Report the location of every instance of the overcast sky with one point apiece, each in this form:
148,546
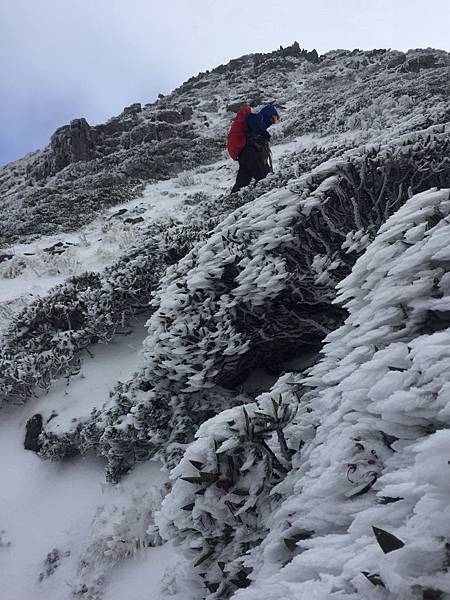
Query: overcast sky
63,59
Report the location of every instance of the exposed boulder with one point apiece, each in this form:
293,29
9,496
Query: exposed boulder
134,220
33,430
120,212
413,64
187,112
170,116
72,143
312,56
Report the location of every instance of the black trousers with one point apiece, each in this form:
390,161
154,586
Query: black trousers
251,166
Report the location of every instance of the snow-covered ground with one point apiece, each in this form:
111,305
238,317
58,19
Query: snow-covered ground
46,506
34,270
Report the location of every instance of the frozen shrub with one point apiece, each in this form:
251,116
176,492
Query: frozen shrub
221,496
262,284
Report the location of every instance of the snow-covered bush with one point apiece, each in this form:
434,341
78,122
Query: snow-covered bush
371,485
45,339
363,510
250,292
220,501
15,266
186,179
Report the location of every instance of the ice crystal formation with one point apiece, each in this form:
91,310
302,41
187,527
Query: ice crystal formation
324,482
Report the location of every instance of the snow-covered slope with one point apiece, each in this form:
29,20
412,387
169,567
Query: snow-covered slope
366,448
124,237
348,97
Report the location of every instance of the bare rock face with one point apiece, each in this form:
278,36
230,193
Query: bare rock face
418,62
72,143
186,113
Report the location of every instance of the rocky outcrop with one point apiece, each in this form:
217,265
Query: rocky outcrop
71,143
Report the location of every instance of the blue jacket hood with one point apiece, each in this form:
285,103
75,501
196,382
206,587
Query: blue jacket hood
267,113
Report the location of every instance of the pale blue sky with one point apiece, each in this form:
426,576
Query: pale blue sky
62,59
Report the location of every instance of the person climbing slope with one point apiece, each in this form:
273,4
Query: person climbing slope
248,143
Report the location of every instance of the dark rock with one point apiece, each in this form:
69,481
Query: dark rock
170,116
33,429
72,143
220,69
422,61
293,50
186,113
166,131
312,56
57,248
376,52
142,133
133,221
396,61
133,109
6,257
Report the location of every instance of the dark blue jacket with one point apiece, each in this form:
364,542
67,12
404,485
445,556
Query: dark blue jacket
259,122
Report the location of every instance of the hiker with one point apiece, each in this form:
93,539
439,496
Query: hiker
248,142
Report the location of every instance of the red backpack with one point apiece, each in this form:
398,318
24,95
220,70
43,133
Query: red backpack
237,136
